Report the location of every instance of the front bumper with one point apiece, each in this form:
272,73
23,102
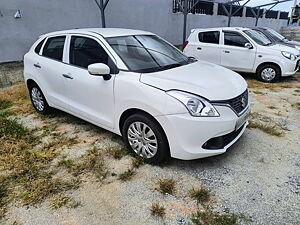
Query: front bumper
290,67
193,137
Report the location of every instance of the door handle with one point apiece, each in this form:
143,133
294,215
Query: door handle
227,51
67,76
199,48
37,65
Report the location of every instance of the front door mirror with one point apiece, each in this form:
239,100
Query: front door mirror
100,69
248,45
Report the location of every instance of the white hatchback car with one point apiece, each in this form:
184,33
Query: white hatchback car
137,85
243,50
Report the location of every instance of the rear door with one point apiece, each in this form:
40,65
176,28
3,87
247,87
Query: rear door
234,54
49,66
207,46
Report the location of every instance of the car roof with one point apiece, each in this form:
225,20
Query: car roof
222,28
105,32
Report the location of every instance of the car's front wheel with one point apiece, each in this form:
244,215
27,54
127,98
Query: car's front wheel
144,136
38,100
268,73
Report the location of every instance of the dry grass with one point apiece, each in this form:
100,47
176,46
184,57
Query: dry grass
212,218
17,97
296,105
127,175
157,210
117,152
267,125
287,83
201,195
63,200
166,186
92,162
136,162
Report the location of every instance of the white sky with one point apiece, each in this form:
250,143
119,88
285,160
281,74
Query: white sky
286,6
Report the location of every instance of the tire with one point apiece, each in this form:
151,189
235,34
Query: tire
152,147
38,100
268,73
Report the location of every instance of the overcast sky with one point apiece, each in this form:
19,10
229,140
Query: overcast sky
286,6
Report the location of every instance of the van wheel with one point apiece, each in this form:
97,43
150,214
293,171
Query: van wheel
144,136
38,100
268,73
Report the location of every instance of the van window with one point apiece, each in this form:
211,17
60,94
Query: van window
212,37
85,51
234,39
54,48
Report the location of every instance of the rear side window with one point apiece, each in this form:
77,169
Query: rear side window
54,48
39,46
212,37
85,51
234,39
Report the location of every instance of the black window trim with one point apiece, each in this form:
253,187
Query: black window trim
39,41
114,70
241,34
210,31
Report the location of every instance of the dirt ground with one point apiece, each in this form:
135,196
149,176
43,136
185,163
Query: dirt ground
256,182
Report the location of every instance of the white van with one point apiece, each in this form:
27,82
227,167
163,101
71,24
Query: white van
243,50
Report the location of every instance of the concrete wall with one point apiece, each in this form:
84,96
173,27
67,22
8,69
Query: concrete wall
42,16
292,33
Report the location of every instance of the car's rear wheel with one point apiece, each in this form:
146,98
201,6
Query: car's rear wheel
38,100
144,136
268,73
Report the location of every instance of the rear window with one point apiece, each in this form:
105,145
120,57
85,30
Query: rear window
212,37
39,46
54,48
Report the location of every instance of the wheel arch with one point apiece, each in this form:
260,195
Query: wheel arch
128,112
269,63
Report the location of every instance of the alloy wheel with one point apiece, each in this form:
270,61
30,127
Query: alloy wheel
37,99
142,140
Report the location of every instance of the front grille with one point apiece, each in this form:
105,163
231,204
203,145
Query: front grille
238,104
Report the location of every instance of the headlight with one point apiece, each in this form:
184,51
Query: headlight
297,47
196,105
289,55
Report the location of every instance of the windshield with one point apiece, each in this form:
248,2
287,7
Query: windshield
258,37
276,36
147,53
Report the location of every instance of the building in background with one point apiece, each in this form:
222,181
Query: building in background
21,22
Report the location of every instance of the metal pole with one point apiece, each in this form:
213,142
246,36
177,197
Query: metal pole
185,14
257,16
229,16
102,13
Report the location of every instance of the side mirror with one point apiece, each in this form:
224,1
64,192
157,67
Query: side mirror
248,45
100,69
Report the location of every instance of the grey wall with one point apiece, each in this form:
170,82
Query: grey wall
42,16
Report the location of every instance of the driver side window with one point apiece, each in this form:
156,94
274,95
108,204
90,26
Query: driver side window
86,51
234,39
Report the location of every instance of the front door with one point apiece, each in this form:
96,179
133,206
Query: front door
234,54
89,97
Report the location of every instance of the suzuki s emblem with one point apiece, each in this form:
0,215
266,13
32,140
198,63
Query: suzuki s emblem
243,101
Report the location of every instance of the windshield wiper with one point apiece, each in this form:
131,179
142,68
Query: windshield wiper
170,66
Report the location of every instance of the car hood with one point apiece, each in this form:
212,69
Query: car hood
285,48
295,43
201,78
